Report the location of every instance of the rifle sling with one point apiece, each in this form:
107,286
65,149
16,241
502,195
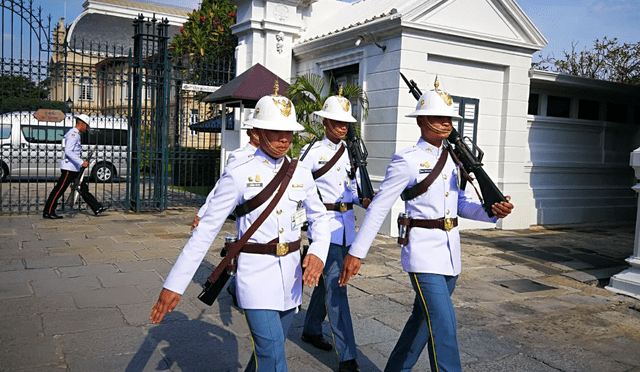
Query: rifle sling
234,248
465,174
263,195
320,172
421,187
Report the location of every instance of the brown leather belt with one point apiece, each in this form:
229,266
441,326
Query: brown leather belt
440,223
274,248
341,207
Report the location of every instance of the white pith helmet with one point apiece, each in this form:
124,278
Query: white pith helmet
435,103
82,117
274,112
337,108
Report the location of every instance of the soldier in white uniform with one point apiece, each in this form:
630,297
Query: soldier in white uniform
339,193
432,254
70,169
241,153
269,283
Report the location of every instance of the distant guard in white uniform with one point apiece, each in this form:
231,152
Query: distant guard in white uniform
70,167
269,274
431,255
331,168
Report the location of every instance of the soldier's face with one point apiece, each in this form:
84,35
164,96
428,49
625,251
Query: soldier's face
275,143
81,125
435,128
335,130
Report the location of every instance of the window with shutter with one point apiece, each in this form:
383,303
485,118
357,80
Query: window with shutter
468,125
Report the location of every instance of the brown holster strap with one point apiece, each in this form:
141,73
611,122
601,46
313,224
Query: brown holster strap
421,187
440,223
273,248
339,207
320,172
263,195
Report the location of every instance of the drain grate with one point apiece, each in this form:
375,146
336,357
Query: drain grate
522,285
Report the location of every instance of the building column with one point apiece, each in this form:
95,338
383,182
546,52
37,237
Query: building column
628,281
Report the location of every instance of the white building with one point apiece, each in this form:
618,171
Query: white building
481,50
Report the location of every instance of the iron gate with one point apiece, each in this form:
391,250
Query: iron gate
156,145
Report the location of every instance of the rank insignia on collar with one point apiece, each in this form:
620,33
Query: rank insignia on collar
323,158
425,164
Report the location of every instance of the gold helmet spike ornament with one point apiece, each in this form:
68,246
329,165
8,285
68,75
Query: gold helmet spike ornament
340,91
276,88
444,95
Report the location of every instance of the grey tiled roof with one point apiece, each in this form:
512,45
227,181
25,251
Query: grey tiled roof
95,32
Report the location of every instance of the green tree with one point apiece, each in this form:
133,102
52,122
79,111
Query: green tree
306,95
608,60
19,93
207,34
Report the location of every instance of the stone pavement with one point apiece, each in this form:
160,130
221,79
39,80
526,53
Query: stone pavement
76,295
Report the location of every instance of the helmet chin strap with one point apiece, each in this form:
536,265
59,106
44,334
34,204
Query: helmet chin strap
335,133
263,139
437,130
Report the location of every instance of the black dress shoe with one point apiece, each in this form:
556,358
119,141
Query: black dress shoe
51,216
348,366
317,341
100,210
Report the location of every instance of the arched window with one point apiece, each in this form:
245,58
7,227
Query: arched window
86,89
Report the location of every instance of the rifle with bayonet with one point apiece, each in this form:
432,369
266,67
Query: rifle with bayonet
470,162
358,154
76,184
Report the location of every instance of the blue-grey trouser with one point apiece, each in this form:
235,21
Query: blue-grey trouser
330,299
432,323
269,330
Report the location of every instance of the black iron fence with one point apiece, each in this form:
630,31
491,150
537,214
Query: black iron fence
154,145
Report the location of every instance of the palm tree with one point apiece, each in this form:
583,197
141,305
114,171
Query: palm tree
306,95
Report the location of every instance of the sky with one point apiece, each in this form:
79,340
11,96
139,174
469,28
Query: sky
560,21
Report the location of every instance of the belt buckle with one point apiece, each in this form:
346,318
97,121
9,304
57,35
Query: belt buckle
343,207
448,224
282,249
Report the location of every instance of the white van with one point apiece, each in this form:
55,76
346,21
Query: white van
33,148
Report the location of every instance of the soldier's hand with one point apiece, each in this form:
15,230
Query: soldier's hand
195,223
166,303
350,268
365,203
85,163
312,269
502,209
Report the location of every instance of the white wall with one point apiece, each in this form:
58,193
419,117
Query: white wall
579,169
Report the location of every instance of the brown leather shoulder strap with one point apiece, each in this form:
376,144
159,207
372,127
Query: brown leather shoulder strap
420,188
320,172
234,248
263,195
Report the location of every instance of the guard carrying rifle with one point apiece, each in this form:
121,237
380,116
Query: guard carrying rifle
70,169
331,168
269,274
425,176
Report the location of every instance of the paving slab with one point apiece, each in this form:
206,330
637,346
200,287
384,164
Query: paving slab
94,316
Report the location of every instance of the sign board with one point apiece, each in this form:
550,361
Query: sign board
199,88
49,115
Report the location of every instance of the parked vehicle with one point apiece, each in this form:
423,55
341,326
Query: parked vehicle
34,148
